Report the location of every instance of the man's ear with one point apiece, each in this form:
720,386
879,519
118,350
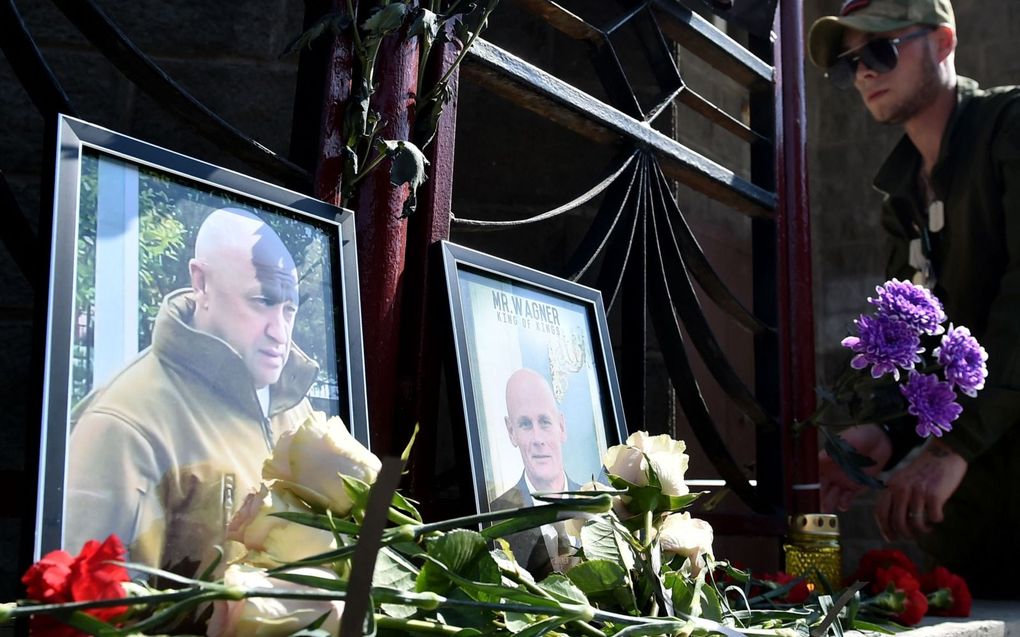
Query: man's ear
945,41
198,278
509,430
563,427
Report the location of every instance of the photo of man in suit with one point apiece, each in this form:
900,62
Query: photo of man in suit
537,428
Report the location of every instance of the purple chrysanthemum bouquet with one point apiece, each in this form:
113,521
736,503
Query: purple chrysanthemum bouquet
890,341
906,366
901,366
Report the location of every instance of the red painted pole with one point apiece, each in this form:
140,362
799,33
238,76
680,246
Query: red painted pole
796,336
381,232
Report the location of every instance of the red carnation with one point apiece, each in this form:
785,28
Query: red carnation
899,577
897,581
876,559
959,599
90,576
796,595
915,605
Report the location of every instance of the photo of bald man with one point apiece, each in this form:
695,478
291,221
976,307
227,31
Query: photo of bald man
537,428
164,451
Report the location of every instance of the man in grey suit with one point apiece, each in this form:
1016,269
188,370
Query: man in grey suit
537,428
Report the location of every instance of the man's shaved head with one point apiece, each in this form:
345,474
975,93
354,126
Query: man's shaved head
246,289
537,428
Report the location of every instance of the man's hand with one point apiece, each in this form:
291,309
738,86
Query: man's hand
914,496
838,489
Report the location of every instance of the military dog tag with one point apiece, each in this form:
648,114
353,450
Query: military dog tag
936,216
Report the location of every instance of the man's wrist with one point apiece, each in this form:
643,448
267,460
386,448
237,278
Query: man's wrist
939,449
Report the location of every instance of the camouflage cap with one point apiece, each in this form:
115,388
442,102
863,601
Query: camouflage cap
872,16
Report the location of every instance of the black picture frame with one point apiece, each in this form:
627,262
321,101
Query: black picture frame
152,196
505,317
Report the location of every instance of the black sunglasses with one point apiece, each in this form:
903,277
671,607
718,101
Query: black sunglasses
879,54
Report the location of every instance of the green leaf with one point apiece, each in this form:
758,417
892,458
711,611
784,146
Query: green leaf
563,589
425,24
661,627
598,576
462,552
601,540
604,582
407,166
492,589
406,455
313,581
406,505
393,571
318,521
356,117
357,490
385,20
334,22
860,624
850,460
428,112
546,625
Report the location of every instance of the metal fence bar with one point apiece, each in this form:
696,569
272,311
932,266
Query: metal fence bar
553,98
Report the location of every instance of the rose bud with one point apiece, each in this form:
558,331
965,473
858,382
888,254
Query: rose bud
309,461
664,455
680,534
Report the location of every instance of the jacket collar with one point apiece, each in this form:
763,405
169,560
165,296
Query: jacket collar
219,365
897,174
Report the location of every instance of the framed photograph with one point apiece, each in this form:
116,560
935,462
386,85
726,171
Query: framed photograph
194,315
538,384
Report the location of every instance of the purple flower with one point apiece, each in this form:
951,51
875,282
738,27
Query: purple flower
884,343
912,304
933,402
963,359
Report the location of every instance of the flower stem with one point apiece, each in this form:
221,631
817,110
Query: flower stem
415,625
594,504
158,598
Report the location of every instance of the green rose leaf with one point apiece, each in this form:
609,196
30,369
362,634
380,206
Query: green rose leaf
604,581
393,571
406,505
642,498
601,540
598,576
358,492
563,589
464,553
516,622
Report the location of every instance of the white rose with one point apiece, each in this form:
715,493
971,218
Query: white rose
680,534
664,455
270,616
307,462
271,541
